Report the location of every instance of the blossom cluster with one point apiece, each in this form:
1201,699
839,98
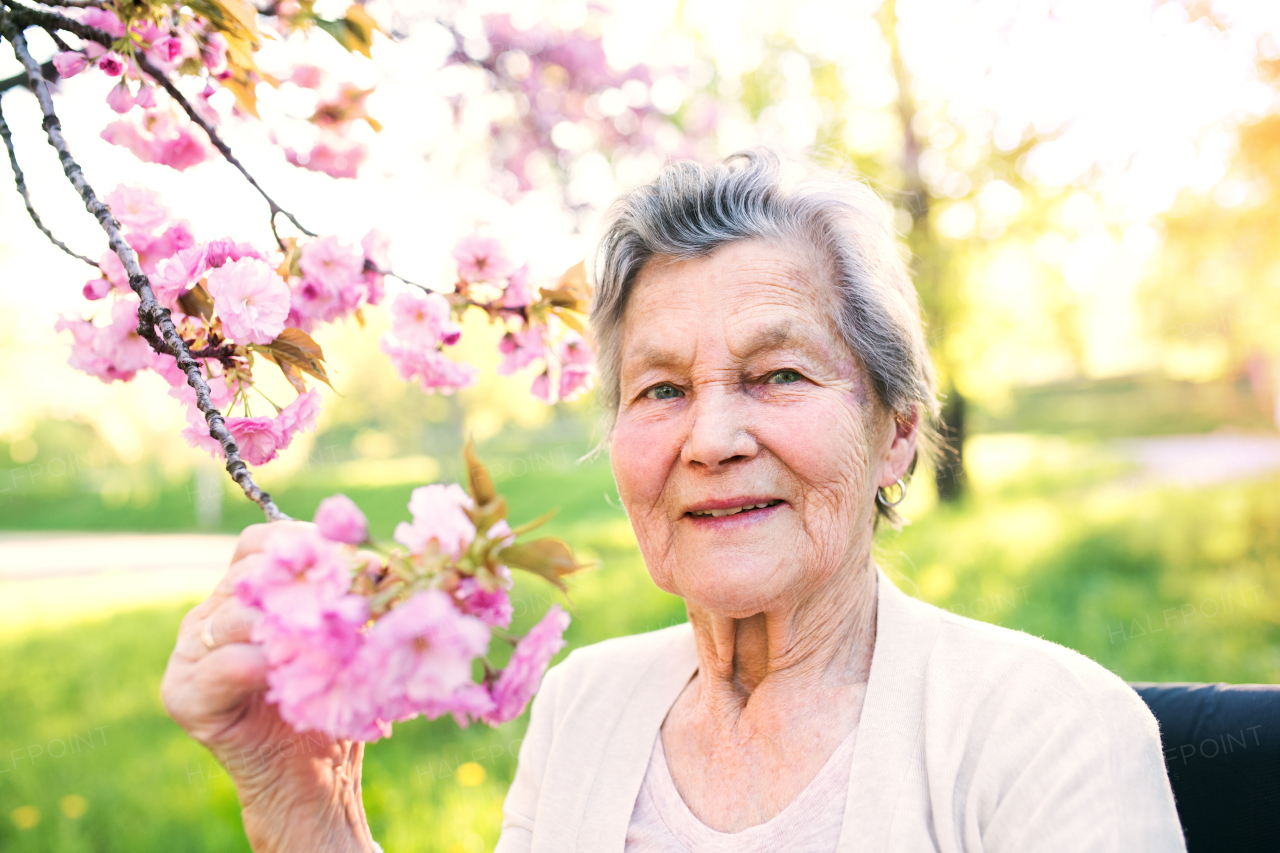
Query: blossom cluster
216,55
182,43
339,105
567,92
357,640
228,300
539,328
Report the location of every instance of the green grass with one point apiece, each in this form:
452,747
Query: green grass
1155,584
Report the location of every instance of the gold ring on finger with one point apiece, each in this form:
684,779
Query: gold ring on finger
206,634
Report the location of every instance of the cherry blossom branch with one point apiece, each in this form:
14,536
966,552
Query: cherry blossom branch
74,4
47,69
25,14
163,79
150,313
21,183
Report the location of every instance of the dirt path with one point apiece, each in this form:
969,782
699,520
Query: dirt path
51,579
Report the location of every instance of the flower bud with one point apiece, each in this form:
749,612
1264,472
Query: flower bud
120,98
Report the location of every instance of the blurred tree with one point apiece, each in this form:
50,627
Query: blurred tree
1212,297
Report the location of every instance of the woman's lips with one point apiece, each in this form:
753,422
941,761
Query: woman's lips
732,513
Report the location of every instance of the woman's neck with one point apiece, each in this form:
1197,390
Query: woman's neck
791,661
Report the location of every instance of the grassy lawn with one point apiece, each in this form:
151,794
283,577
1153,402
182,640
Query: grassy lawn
1156,584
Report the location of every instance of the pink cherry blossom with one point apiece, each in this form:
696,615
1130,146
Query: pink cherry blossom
154,248
298,416
331,262
339,519
428,367
521,348
70,63
377,247
576,365
103,19
137,207
419,655
214,53
112,64
111,267
251,299
120,98
146,97
375,287
314,679
97,288
316,301
519,292
111,352
257,438
168,50
493,607
574,380
480,258
158,136
308,76
438,516
333,155
423,319
541,388
573,349
300,576
520,678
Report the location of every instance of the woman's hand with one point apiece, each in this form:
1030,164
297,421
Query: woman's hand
297,791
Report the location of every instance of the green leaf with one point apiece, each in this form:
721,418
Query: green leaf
550,558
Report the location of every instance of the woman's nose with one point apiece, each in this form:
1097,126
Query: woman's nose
718,432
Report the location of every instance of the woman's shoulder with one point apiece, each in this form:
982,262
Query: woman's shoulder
994,665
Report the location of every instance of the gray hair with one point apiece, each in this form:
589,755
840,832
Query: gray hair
691,210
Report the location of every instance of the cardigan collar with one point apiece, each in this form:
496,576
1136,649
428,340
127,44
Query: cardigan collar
888,730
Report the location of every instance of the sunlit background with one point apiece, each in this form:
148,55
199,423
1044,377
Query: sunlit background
1091,195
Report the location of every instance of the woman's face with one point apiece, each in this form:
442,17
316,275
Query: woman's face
738,391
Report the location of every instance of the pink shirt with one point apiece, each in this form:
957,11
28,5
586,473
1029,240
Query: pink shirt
662,823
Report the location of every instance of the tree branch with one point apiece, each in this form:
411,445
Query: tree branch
26,15
163,79
150,313
49,72
74,4
21,182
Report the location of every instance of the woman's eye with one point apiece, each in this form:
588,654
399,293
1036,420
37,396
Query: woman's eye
783,377
663,392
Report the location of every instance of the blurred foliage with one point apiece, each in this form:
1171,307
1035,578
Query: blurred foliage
1213,298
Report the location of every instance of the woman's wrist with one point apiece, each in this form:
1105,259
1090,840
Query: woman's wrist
336,825
318,808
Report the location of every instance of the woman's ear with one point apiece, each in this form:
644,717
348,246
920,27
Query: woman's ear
902,449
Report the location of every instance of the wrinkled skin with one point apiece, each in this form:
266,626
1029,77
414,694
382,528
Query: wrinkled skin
298,792
738,389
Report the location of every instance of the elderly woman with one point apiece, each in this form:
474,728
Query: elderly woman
767,384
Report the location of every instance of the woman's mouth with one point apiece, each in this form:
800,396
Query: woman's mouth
732,512
721,513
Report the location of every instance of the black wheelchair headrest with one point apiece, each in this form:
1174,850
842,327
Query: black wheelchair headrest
1222,749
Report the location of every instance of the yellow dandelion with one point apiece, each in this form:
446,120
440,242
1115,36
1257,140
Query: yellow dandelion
73,805
470,774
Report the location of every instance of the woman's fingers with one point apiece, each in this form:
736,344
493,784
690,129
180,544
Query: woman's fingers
222,622
207,695
254,537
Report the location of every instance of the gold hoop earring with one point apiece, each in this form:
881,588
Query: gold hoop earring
885,502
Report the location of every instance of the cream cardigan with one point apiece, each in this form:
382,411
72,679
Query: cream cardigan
972,738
